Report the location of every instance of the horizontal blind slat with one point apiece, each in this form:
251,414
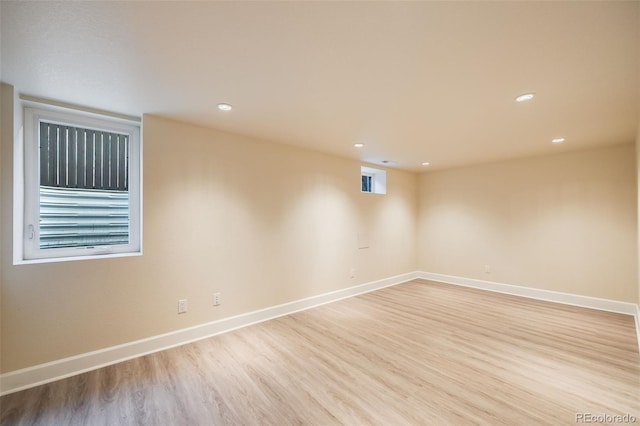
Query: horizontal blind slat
81,217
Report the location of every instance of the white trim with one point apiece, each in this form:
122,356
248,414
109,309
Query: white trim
98,255
378,180
546,295
25,378
18,190
44,373
536,293
64,106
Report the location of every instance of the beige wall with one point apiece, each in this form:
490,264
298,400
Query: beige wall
266,224
564,222
262,223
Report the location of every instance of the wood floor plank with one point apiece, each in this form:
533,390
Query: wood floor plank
417,353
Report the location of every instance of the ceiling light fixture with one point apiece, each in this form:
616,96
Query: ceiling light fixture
225,107
426,163
525,97
558,140
358,145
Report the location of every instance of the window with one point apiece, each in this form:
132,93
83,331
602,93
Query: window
367,183
82,185
373,180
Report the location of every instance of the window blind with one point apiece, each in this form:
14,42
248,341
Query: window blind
82,217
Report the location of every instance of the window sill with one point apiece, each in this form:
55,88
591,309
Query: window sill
73,258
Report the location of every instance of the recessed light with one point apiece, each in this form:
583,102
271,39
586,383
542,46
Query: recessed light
558,140
426,163
358,145
525,97
224,107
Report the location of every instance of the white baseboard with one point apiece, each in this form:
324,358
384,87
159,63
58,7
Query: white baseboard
536,293
547,295
45,373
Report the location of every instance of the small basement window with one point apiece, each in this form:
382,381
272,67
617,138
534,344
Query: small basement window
82,189
373,180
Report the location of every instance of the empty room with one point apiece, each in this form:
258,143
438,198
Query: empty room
319,213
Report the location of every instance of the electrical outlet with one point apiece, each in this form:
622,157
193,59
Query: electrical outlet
182,306
487,269
352,273
216,299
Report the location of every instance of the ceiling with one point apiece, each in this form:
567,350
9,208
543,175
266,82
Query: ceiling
412,81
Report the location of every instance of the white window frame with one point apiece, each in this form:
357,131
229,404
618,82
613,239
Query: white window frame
378,180
28,241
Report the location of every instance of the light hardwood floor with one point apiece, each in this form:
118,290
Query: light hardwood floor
418,353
